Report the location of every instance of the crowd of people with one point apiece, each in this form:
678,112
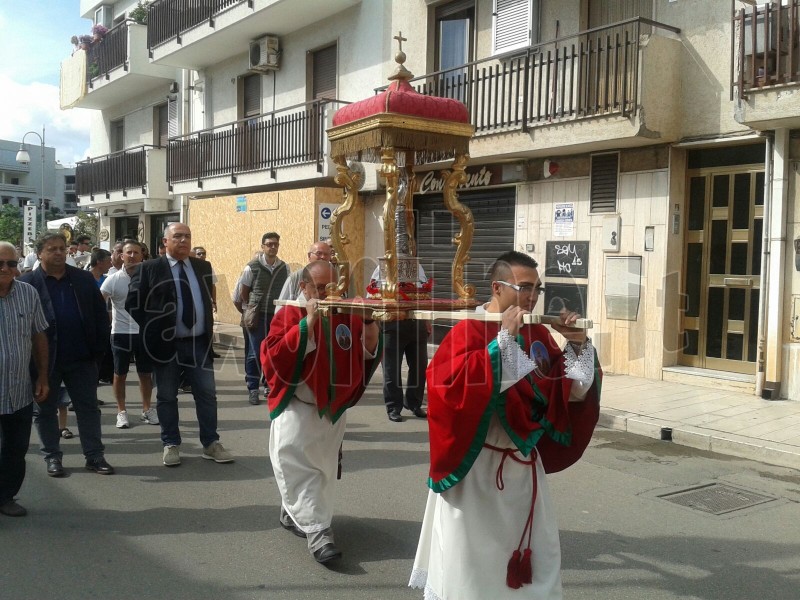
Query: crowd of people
506,404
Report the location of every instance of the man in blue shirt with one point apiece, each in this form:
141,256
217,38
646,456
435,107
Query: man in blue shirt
77,337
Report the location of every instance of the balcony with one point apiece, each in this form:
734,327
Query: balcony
194,34
765,65
607,87
133,175
16,189
117,69
287,145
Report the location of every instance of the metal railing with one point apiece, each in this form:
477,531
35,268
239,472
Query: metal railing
285,137
108,54
168,19
120,171
764,46
592,73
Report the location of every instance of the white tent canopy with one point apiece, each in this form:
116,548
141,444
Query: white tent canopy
71,221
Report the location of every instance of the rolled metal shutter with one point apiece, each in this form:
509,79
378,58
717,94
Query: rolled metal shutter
493,211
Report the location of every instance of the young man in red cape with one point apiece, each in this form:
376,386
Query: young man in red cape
317,367
505,406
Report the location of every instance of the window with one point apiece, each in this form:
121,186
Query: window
165,123
116,136
102,15
322,64
516,24
249,96
603,184
455,34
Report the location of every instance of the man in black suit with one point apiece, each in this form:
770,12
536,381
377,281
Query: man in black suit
170,298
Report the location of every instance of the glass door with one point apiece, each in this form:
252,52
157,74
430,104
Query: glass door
722,268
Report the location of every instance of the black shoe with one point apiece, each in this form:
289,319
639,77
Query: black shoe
215,355
12,509
327,553
100,402
419,412
54,467
294,529
100,466
395,417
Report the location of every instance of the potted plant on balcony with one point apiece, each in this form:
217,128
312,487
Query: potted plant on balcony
82,42
93,69
139,14
98,33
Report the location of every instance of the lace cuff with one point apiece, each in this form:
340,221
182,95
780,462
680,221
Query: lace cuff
516,363
579,368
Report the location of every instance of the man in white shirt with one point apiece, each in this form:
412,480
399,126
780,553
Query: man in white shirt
125,340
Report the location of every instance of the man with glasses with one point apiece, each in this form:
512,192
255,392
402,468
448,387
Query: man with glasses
22,337
291,289
506,406
170,299
261,282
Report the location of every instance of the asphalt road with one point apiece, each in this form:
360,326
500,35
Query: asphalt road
204,530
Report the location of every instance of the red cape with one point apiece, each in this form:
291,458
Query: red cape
464,392
336,370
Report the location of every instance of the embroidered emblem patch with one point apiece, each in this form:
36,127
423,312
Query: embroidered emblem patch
343,337
541,357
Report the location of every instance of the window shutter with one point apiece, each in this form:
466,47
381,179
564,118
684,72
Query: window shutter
324,73
512,24
604,178
251,105
172,118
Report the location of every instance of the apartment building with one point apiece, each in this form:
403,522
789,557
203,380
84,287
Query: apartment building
643,151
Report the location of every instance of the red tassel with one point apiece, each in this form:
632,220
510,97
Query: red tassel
525,568
512,572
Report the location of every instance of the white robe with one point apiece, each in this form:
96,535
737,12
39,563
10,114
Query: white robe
485,525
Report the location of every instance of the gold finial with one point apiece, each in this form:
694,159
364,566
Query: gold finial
400,72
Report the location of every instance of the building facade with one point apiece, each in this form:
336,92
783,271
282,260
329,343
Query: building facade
643,151
22,183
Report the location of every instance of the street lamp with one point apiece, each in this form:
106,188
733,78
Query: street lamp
24,158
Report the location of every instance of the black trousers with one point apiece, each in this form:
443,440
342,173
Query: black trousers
404,339
15,435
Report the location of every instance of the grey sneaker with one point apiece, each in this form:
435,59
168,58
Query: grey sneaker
253,399
171,456
217,453
150,416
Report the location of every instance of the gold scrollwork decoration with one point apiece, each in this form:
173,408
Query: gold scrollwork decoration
463,239
350,181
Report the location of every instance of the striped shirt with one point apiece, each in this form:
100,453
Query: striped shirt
21,317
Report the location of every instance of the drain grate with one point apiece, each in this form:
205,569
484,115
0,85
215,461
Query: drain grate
717,498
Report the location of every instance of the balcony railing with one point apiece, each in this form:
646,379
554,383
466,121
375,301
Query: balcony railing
764,44
286,137
168,19
109,54
593,73
115,172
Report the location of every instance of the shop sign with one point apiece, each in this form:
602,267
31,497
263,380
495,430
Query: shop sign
477,177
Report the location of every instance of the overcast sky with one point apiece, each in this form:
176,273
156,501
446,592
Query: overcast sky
34,39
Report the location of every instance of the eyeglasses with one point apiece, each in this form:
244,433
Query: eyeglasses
527,288
11,264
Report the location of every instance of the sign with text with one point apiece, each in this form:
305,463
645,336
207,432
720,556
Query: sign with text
324,213
29,229
241,203
564,219
433,182
567,259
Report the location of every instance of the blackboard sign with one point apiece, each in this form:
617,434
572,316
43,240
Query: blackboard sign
571,296
567,259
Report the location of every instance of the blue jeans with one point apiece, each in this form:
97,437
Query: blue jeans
192,359
251,371
15,435
80,379
256,337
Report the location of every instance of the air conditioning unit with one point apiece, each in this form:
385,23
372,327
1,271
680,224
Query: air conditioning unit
264,53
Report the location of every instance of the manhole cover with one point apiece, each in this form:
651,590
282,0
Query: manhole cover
717,498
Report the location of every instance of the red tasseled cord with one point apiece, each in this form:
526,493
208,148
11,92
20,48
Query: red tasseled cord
525,568
512,572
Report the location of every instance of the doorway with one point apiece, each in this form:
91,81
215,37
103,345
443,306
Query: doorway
722,267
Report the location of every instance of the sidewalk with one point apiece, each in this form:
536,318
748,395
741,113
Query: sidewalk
718,420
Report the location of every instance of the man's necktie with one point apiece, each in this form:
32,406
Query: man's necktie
187,314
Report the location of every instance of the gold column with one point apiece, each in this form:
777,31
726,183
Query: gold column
463,239
389,171
350,181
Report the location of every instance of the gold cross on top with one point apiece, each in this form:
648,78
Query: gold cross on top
400,39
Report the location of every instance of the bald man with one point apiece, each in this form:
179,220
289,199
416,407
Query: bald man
291,289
